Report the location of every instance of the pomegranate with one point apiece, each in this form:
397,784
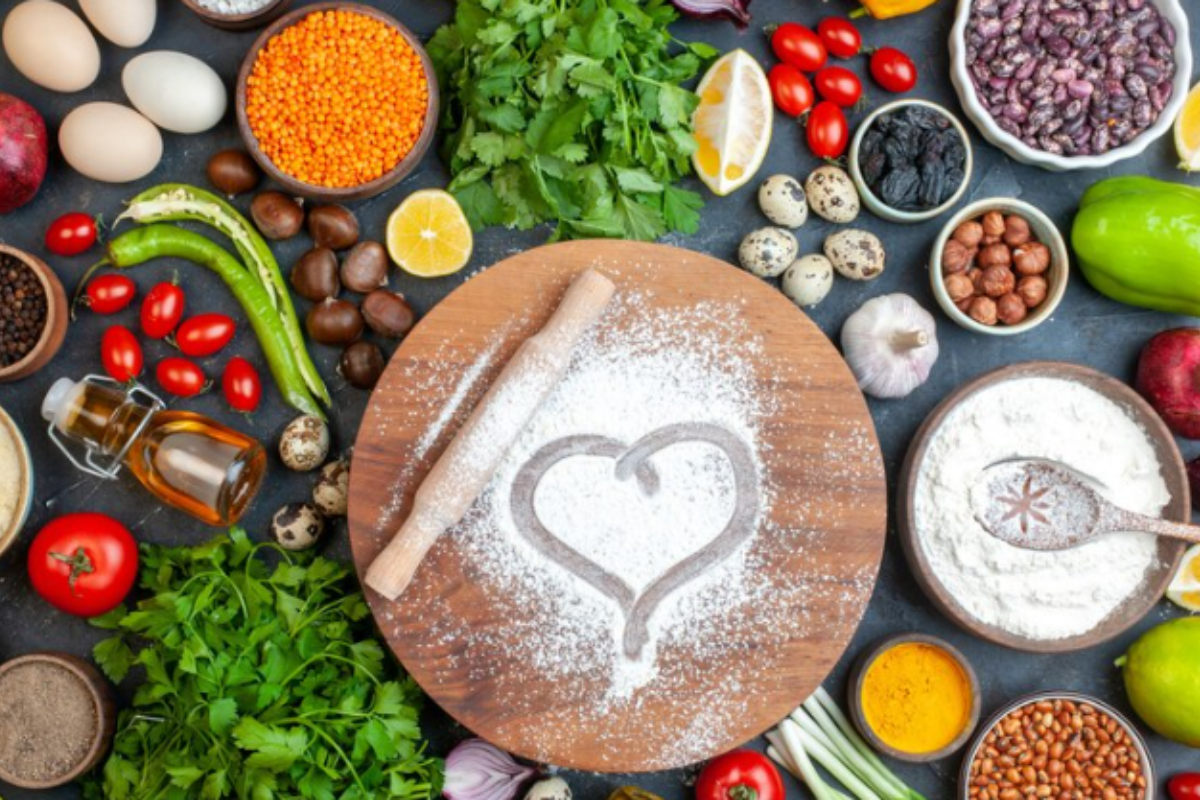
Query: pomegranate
1168,376
23,152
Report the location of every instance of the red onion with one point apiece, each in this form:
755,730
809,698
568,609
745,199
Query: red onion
476,770
736,11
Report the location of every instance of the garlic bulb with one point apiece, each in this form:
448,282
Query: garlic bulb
891,345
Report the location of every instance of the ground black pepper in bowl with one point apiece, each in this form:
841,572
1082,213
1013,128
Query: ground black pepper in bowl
23,310
50,722
913,159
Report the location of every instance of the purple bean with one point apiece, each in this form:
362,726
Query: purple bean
1041,115
1149,72
1080,90
1003,69
1124,45
1136,86
986,8
1008,126
1052,126
1060,95
1030,140
1076,127
1120,104
1100,140
1063,75
988,51
1166,89
1146,28
1026,70
1058,46
1168,32
1029,29
1041,91
989,28
1143,113
1012,9
1081,37
1012,27
1073,110
1050,146
1117,68
1046,29
1013,93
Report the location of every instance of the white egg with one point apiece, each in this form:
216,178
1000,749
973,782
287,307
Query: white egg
51,46
175,91
110,142
127,23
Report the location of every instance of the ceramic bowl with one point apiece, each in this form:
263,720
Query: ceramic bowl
1172,11
104,704
877,206
10,527
57,312
859,673
1131,732
239,22
1043,230
327,194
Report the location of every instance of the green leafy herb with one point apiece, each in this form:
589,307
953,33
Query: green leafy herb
572,112
260,681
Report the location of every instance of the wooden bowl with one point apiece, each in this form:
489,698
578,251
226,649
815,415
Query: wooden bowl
57,313
326,194
9,529
239,22
1169,551
1131,731
105,707
859,674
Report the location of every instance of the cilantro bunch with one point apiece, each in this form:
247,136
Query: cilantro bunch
572,112
260,681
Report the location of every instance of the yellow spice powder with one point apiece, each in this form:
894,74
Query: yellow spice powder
916,697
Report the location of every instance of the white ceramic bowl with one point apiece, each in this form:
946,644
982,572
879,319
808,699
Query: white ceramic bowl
11,526
1172,11
1043,230
877,206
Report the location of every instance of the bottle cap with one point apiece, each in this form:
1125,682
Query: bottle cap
59,399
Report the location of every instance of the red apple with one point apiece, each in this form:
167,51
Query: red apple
1168,376
23,152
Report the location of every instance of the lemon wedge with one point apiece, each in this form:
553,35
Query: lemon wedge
732,123
1185,586
1187,132
428,235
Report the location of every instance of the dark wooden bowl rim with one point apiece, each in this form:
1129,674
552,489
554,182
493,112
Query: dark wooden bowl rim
858,678
1139,603
238,22
55,306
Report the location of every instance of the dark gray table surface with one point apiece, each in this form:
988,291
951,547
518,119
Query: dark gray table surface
1087,329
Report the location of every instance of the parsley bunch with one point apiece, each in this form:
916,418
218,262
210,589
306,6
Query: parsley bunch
570,111
260,682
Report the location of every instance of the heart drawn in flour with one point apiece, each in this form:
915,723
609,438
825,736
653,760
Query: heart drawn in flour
633,461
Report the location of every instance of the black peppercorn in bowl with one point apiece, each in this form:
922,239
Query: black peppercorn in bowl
911,161
33,314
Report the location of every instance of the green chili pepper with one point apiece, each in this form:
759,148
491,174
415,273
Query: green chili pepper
173,202
167,241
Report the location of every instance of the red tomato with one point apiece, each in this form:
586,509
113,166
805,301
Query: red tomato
740,775
109,294
241,385
83,564
71,234
121,354
1185,786
180,377
161,310
828,131
799,46
893,70
792,92
838,85
204,334
840,37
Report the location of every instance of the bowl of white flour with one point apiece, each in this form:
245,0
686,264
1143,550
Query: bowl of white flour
16,481
1043,602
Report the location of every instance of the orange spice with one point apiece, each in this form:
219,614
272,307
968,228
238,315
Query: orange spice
337,99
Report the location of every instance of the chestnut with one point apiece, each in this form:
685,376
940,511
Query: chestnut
365,267
388,313
276,215
233,172
334,322
333,227
315,275
362,364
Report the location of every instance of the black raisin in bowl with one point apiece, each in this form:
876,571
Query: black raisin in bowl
911,161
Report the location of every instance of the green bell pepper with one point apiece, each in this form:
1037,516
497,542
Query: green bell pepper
1137,240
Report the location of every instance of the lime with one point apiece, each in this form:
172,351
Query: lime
1162,678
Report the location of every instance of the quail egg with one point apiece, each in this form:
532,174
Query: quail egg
304,444
808,280
767,252
782,200
297,526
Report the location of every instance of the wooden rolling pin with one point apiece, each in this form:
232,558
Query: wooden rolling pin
466,467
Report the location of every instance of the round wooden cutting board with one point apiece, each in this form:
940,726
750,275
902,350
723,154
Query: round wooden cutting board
487,655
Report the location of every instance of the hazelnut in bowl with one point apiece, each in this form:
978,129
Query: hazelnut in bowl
999,267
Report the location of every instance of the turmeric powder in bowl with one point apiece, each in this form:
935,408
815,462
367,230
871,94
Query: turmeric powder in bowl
917,698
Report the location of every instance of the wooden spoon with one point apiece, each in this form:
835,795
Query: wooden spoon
1043,505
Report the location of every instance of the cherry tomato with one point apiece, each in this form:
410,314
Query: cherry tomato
109,294
840,37
204,334
241,385
838,85
83,564
799,46
740,775
121,354
893,70
828,131
71,234
180,377
791,89
161,310
1185,786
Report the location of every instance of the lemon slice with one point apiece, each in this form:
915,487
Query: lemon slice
1185,587
732,122
428,235
1187,132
